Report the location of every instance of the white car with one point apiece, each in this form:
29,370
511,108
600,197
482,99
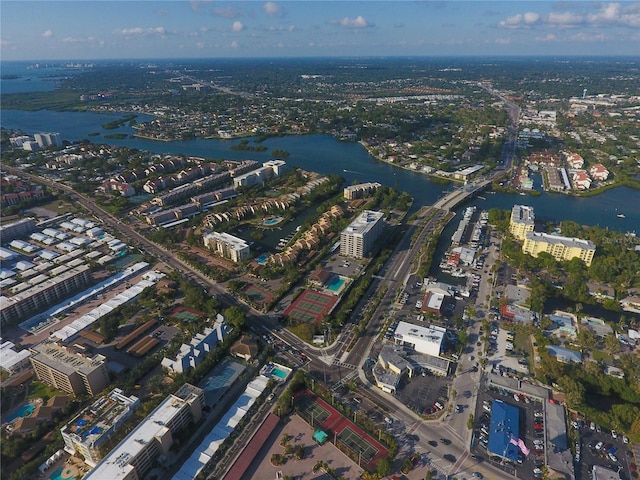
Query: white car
613,458
599,445
625,439
614,434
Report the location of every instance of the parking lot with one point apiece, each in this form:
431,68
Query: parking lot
599,447
531,427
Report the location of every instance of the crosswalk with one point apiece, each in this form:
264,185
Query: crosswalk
344,364
344,380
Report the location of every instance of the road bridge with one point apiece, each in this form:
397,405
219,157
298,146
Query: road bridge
459,195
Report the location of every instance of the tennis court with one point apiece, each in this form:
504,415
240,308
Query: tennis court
257,294
314,413
357,444
186,314
310,306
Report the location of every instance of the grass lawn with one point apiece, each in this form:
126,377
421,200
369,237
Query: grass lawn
38,389
600,356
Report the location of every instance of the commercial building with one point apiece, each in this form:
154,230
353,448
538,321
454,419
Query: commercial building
11,360
96,423
599,472
201,344
361,190
358,238
227,246
152,439
68,369
426,340
522,221
561,248
504,431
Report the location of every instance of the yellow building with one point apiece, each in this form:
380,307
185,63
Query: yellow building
522,221
561,248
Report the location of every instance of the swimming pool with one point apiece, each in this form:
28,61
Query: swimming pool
262,259
336,284
279,373
23,411
57,475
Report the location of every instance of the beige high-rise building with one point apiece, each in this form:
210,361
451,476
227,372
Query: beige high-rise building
357,239
522,221
69,370
561,248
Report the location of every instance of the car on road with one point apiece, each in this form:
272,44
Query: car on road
433,443
449,458
477,475
445,441
537,473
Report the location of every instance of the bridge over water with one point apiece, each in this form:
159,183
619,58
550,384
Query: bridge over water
459,195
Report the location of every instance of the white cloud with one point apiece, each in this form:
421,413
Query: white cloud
226,12
502,41
200,45
47,33
588,37
237,27
564,19
271,8
608,14
235,44
141,32
357,22
549,37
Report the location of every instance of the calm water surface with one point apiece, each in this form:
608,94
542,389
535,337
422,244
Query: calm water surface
324,154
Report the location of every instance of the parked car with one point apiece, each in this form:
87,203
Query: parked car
449,458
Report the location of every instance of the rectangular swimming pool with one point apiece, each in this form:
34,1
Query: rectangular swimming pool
279,373
336,284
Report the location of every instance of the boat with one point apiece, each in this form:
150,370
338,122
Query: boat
621,215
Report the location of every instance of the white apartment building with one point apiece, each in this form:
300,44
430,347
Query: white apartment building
357,239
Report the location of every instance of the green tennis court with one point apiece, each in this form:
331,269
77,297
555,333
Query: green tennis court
357,444
257,294
310,306
314,412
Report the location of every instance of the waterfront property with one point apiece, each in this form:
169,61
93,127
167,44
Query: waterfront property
227,246
522,221
561,248
358,238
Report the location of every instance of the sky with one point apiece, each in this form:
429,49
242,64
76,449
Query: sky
85,30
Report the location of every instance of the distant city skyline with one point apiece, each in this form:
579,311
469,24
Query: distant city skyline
87,30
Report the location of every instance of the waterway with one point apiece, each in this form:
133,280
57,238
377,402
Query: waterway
324,154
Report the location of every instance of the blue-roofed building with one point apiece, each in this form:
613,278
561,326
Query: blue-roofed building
564,323
564,355
504,426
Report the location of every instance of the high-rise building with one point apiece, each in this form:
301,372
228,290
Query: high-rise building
561,248
69,370
88,431
357,239
522,221
227,246
47,139
134,456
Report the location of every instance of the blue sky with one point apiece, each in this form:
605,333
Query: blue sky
51,30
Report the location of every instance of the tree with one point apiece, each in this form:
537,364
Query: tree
235,316
470,422
573,390
384,467
587,339
612,344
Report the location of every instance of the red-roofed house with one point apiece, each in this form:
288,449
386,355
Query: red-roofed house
574,160
581,180
599,172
